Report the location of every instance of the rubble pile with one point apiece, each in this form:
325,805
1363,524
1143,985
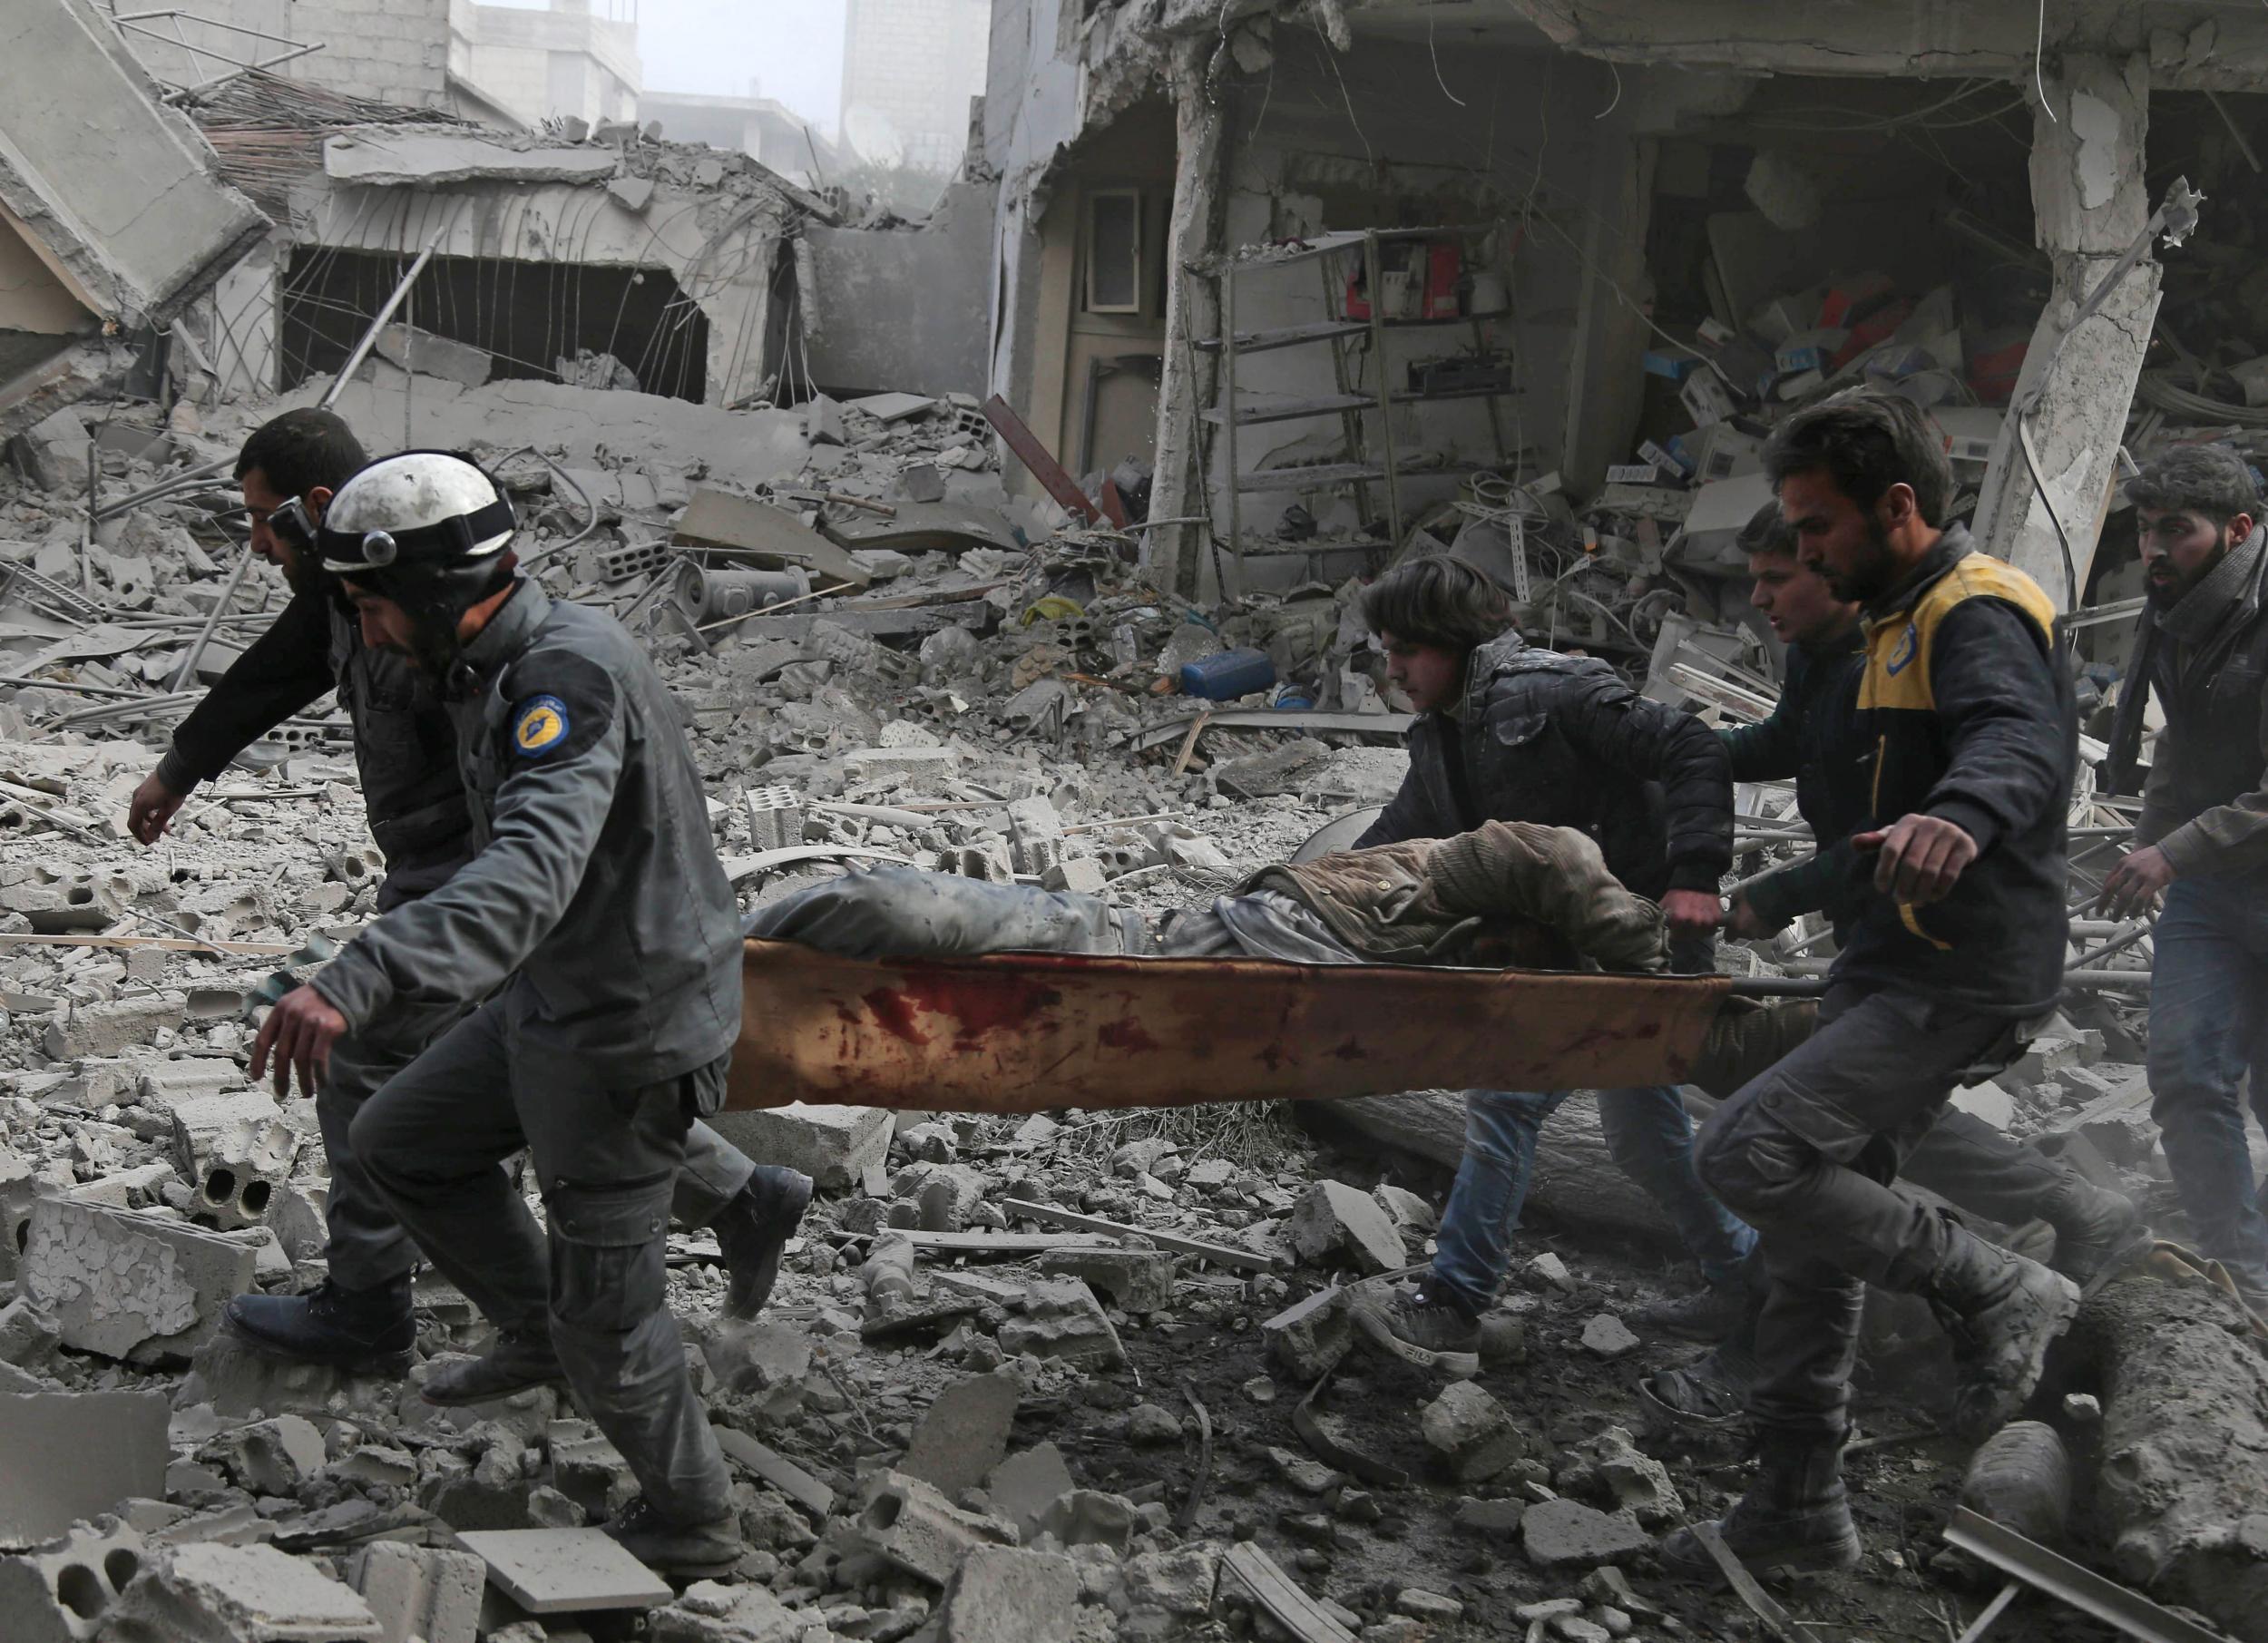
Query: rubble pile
1066,1376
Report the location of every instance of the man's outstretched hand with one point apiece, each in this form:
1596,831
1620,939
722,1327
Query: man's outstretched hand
152,808
1692,913
299,1032
1920,857
2135,884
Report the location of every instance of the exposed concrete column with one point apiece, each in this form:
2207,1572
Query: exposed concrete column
1605,387
2089,200
1203,108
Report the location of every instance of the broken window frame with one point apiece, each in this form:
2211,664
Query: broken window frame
1135,303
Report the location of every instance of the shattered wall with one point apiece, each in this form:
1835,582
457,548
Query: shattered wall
898,308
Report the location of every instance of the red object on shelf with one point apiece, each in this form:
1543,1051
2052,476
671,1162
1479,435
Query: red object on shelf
1444,268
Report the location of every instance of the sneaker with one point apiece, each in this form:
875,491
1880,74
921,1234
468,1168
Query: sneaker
516,1362
1703,1317
1423,1327
361,1331
696,1551
1796,1518
753,1230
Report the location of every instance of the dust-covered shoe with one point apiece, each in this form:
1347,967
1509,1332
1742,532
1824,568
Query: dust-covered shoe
2002,1312
693,1551
753,1230
1424,1327
516,1362
363,1331
2096,1229
1796,1518
1703,1317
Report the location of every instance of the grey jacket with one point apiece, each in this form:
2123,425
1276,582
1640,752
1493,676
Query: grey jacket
595,891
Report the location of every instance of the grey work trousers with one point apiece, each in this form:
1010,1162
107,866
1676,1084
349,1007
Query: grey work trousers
1807,1154
367,1246
606,1160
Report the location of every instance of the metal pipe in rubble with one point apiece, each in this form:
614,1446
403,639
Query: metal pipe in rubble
370,338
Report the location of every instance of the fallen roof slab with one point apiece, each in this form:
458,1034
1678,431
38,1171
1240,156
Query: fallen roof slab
419,158
115,189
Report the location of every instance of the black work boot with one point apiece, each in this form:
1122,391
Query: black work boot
753,1230
2003,1312
2095,1228
362,1331
1425,1326
696,1551
1796,1518
518,1360
1704,1318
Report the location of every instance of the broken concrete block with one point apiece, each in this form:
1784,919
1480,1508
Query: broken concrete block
1309,1337
832,1145
117,1281
1549,1269
753,1357
1635,1481
1006,1594
272,1457
208,1593
962,1435
1607,1336
107,1028
427,355
1026,1483
1080,875
1180,1581
52,452
631,193
62,1589
237,1148
1472,1432
1089,1517
1062,1319
775,818
550,1571
712,1612
932,1143
907,1523
1332,1218
69,1455
906,768
1408,1212
1136,1280
28,1336
822,421
418,1591
1562,1533
1987,1102
948,1198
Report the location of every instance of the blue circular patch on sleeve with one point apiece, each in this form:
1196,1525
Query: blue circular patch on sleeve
539,725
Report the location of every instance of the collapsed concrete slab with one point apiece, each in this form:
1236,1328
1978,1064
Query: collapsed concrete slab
118,1282
112,192
832,1145
205,1593
66,1456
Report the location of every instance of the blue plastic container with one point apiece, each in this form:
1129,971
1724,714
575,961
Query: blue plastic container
1227,674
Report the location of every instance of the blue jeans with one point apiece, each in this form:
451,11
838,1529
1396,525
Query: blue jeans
1648,1135
2209,1026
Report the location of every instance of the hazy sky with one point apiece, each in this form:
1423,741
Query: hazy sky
794,46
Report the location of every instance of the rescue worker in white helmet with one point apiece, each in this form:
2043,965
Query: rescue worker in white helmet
596,913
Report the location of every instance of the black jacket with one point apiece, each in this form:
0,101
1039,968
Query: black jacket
1811,737
404,745
1562,741
2206,803
1965,711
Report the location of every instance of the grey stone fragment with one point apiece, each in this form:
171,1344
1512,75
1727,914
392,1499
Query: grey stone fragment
117,1281
1562,1533
1006,1594
1332,1218
62,1589
1472,1432
208,1593
549,1571
417,1591
832,1145
1026,1483
962,1435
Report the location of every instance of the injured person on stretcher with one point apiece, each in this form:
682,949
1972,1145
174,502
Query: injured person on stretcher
1507,895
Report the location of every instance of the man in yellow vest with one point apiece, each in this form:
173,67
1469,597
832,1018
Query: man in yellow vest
1951,902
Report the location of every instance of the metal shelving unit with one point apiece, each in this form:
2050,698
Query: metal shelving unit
1343,336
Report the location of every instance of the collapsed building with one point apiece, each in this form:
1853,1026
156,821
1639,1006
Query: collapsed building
1023,545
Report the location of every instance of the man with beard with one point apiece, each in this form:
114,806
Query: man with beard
2203,840
359,1318
1956,934
1808,737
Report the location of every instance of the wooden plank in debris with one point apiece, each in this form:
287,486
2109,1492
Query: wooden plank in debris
1306,720
156,944
1277,1593
1220,1254
776,1469
767,537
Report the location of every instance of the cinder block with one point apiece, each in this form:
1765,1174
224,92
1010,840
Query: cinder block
237,1148
832,1145
906,1522
63,1590
107,1029
420,1592
118,1281
208,1593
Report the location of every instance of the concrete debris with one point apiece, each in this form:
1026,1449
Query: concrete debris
1562,1533
62,1589
908,1524
962,1435
1334,1219
550,1571
69,1455
1004,1594
420,1591
835,1146
119,1282
209,1593
1472,1432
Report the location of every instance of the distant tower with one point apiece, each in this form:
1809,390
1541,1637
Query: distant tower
909,69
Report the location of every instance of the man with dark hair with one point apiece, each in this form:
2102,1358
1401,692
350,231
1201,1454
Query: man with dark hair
1808,737
1954,950
359,1318
1510,731
2203,840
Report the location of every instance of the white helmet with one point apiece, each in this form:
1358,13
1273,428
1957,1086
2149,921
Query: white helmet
424,510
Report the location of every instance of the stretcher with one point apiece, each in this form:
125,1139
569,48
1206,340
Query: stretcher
1029,1032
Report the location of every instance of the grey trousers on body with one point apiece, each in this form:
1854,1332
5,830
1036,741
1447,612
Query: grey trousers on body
608,1161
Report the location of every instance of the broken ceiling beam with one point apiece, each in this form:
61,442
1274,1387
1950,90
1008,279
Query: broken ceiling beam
113,194
417,158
